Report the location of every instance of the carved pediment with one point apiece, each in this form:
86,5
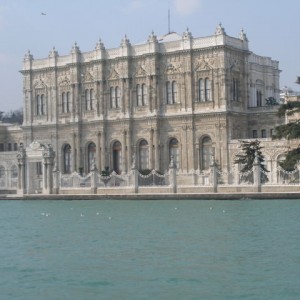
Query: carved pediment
204,65
173,68
88,77
40,84
64,81
140,72
114,75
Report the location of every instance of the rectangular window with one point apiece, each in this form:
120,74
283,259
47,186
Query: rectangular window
1,147
263,133
254,134
39,170
9,147
235,90
15,147
169,92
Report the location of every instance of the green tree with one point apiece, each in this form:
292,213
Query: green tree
289,131
251,149
14,116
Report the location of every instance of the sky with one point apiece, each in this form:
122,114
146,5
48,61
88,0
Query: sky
272,27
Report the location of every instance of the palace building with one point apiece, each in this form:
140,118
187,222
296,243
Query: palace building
172,97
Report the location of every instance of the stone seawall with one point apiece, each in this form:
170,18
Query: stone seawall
167,196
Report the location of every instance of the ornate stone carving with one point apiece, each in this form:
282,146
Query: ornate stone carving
87,77
204,64
39,84
173,68
140,71
64,81
114,74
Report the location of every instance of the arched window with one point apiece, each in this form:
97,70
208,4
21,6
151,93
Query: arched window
143,155
67,159
117,157
206,152
91,156
174,151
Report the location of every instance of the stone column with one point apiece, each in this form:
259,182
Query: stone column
156,156
124,164
213,174
256,174
98,151
104,163
129,152
74,165
134,175
94,179
173,175
21,157
152,165
56,181
48,157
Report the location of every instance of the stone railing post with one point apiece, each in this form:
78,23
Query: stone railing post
135,174
56,181
214,176
173,175
256,174
21,157
94,179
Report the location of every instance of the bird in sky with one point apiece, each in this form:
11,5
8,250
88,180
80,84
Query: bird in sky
43,14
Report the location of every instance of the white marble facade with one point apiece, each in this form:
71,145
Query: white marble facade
174,95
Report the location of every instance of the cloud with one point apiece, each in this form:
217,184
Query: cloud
186,7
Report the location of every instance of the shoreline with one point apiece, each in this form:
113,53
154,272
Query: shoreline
158,197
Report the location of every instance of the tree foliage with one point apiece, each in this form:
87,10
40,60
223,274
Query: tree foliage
289,131
14,116
251,149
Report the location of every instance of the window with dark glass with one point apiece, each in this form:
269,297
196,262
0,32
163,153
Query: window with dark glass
91,156
258,98
235,89
143,155
171,92
67,164
141,93
117,157
254,134
206,152
115,97
174,151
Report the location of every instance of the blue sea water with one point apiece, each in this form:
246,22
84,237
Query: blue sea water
212,250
